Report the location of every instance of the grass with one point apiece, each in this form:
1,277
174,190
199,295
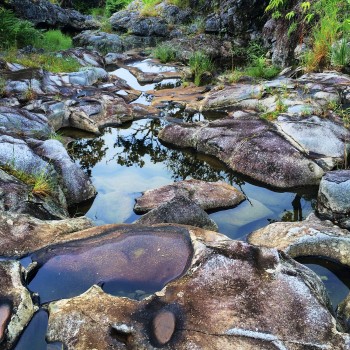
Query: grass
113,6
39,182
165,53
2,87
149,9
340,54
200,63
49,62
54,40
179,3
261,68
56,136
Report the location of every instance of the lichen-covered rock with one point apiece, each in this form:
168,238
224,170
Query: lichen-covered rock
233,296
333,202
14,299
311,237
249,146
208,195
22,234
179,210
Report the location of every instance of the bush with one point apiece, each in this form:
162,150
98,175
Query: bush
16,32
113,6
200,63
54,40
165,53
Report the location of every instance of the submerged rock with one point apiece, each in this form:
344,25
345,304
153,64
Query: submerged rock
16,306
249,146
250,298
333,202
208,195
311,237
179,210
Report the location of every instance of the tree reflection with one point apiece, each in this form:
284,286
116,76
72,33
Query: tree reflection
139,144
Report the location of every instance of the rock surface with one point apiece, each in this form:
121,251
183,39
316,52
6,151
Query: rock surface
22,234
208,195
44,13
15,296
333,202
249,146
179,210
311,237
249,297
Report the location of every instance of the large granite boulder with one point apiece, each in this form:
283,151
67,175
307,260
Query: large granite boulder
333,202
45,14
208,195
233,296
249,146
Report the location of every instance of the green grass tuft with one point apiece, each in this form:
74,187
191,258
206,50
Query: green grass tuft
165,53
200,63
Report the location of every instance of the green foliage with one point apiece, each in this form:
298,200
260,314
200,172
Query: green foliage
56,136
113,6
200,63
54,40
165,53
16,32
180,3
261,68
340,53
40,183
148,9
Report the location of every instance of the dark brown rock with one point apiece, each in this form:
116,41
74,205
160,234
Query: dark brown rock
208,195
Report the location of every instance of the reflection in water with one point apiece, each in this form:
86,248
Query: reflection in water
335,277
130,159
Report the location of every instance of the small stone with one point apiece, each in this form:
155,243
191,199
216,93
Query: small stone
164,326
5,314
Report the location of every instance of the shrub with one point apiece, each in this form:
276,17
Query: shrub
115,6
200,63
54,40
165,53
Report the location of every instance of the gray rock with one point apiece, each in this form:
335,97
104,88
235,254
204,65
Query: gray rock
174,15
333,202
76,185
249,146
88,76
42,12
21,123
179,210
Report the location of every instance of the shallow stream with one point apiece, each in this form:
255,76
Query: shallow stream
128,160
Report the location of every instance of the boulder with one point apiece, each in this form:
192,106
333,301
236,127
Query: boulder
208,195
233,296
179,210
311,237
20,123
249,146
45,14
16,306
22,234
133,23
333,201
76,185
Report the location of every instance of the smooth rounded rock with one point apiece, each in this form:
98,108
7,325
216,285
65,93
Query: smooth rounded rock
164,326
5,314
